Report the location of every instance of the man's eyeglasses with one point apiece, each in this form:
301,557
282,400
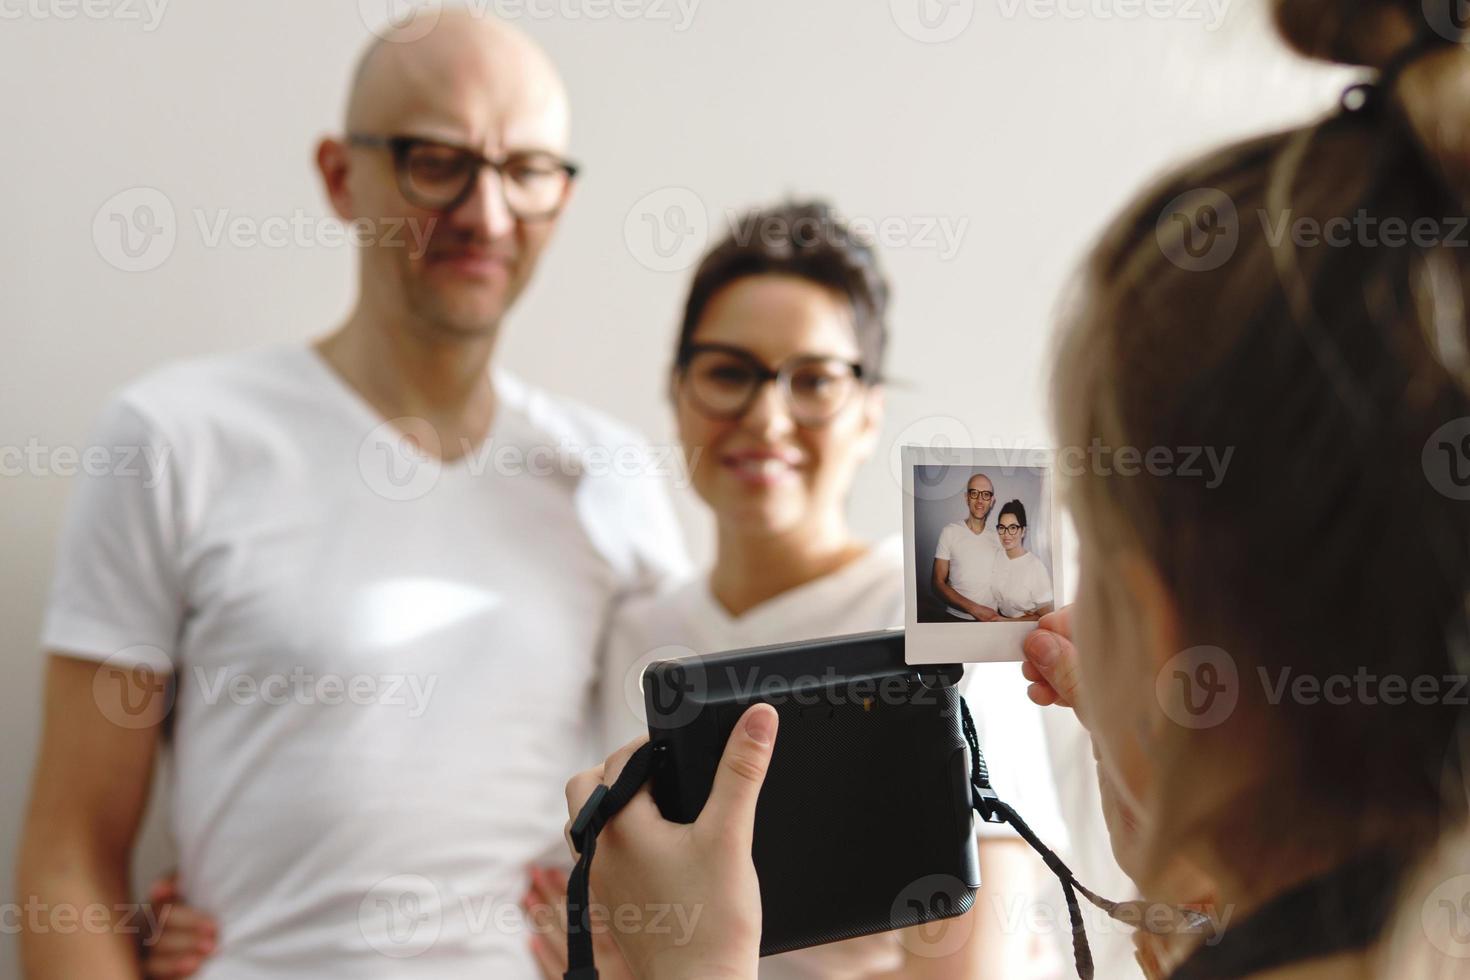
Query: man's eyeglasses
1008,528
440,176
723,381
980,494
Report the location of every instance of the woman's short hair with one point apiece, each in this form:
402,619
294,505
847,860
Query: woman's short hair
807,240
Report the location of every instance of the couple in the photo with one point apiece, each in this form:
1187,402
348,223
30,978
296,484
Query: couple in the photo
984,574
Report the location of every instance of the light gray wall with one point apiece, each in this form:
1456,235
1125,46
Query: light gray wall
1021,132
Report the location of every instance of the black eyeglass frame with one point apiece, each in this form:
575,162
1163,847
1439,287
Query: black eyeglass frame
764,375
400,146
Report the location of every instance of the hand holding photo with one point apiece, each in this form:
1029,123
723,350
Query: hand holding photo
979,551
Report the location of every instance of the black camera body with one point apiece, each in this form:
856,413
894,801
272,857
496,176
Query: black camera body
864,822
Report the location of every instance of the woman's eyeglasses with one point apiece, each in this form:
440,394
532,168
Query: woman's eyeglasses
441,176
1008,528
723,381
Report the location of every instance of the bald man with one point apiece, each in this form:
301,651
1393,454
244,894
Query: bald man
367,592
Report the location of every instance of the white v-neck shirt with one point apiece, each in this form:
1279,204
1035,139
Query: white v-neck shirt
866,594
384,666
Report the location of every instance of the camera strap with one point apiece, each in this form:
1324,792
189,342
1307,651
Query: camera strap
606,801
993,810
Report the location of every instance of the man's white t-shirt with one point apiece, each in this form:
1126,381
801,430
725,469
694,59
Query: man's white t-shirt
971,560
1020,584
384,665
867,594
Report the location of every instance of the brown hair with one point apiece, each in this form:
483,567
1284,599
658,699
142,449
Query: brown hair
810,241
1327,370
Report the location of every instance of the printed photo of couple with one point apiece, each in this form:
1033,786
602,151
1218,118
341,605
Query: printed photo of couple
981,545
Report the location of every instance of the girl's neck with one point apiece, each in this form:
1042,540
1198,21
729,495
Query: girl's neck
751,568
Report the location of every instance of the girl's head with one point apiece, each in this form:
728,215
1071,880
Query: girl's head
1233,621
775,379
1011,525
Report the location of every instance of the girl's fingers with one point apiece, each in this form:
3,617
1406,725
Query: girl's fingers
547,962
186,918
176,942
170,967
1042,694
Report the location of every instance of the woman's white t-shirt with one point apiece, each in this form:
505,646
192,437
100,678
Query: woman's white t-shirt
1020,584
866,594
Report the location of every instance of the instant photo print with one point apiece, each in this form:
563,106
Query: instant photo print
981,551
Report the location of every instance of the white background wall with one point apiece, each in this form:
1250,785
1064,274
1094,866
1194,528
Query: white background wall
1024,130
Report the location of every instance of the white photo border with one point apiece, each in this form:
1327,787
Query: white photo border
955,643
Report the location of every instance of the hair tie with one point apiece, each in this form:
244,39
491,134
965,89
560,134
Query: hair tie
1368,96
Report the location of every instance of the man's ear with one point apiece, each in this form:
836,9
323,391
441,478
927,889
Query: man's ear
331,163
1158,616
